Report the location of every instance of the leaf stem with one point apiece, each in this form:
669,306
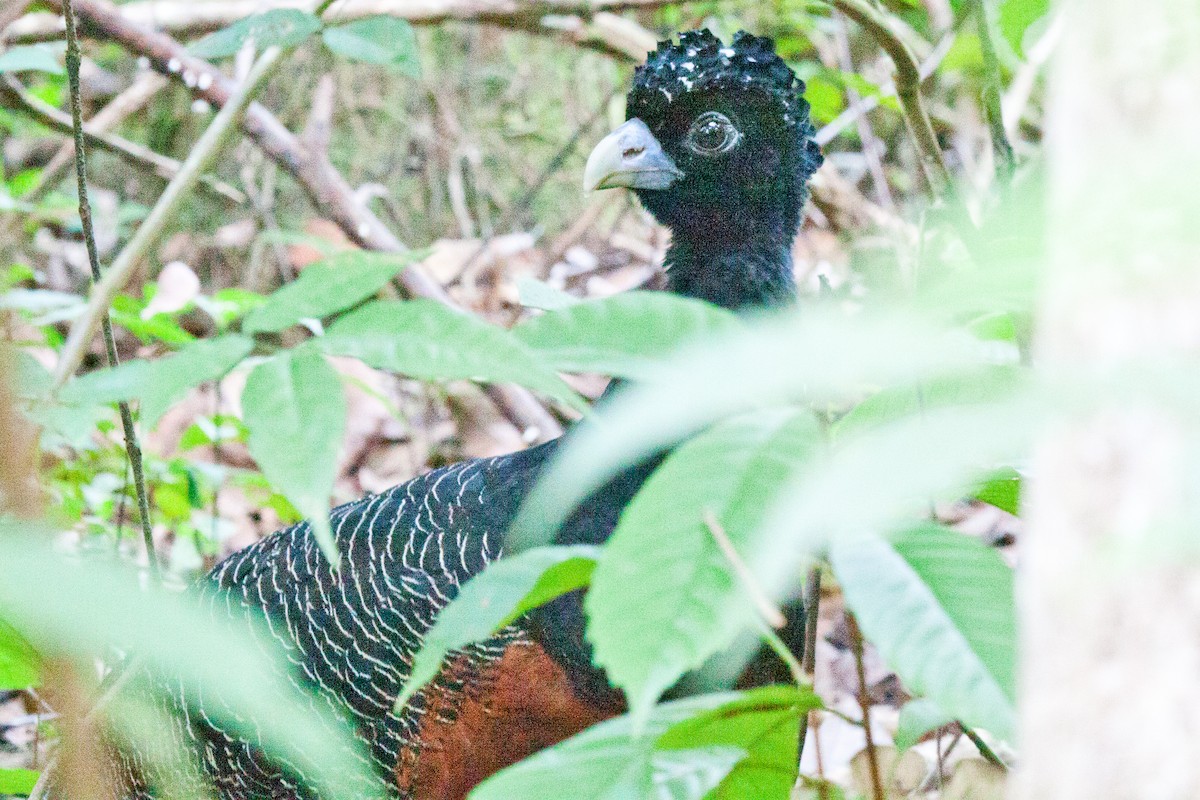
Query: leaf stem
982,746
769,612
1001,146
132,446
864,703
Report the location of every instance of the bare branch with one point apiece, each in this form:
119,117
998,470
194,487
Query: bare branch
163,166
583,21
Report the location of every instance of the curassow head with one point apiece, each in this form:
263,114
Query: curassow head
718,144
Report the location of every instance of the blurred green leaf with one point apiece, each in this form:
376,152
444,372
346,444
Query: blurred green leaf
18,660
295,410
917,718
427,340
324,288
162,382
82,609
500,594
1017,16
609,761
885,477
765,723
954,645
17,781
34,58
819,357
625,335
664,598
384,40
280,27
539,294
1002,490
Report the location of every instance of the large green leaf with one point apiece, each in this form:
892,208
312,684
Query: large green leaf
18,660
427,340
80,610
764,722
663,597
384,40
34,58
820,357
496,597
280,27
626,335
17,781
161,382
944,651
295,411
609,762
339,282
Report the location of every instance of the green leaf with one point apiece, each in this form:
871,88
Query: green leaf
231,667
609,762
663,598
975,588
626,335
18,660
496,597
957,656
765,723
384,40
917,718
17,781
160,383
280,27
295,411
427,340
1016,17
1002,490
819,357
541,295
34,58
327,287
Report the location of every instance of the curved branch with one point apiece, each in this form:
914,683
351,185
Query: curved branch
908,87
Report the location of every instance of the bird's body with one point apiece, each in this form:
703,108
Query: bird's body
718,148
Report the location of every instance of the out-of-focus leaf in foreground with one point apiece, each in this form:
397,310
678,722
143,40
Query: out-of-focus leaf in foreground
73,609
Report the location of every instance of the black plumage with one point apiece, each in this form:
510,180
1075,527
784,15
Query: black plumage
718,147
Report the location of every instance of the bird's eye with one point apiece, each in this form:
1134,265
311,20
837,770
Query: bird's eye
712,133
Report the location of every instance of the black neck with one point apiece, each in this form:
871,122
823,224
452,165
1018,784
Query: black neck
751,274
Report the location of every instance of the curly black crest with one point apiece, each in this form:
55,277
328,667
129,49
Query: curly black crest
703,63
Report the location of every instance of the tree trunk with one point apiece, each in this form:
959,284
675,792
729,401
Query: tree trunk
1110,579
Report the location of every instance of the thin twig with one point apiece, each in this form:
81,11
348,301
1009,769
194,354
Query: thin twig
131,100
770,613
203,153
873,149
826,133
164,167
982,746
864,703
808,663
132,446
908,87
1006,164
